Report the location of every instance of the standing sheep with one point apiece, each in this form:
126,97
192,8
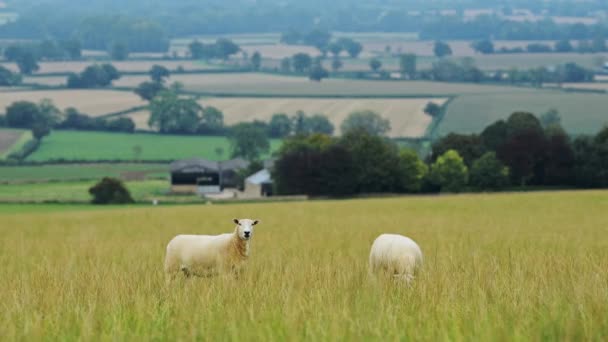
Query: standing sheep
205,255
395,255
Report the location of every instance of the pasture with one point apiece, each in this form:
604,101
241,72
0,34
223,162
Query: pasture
580,113
80,145
63,172
497,267
90,102
253,84
11,140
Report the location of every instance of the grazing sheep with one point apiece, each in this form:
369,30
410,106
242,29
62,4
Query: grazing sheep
206,255
395,255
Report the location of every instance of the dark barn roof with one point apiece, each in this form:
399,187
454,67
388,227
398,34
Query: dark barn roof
198,165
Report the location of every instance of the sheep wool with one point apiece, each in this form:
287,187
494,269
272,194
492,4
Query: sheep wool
395,255
207,255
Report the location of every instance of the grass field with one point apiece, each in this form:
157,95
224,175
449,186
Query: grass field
81,171
580,113
73,145
76,191
12,140
265,84
91,102
497,268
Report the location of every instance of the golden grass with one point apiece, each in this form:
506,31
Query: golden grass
497,268
91,102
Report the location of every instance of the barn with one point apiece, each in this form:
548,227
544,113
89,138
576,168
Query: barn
259,184
204,176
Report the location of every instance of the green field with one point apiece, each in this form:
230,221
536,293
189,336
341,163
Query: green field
80,171
507,267
75,191
73,145
581,113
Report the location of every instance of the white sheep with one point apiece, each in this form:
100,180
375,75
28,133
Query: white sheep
395,255
206,255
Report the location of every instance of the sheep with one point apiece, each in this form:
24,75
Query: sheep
395,255
207,255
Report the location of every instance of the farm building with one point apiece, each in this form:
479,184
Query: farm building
204,176
259,184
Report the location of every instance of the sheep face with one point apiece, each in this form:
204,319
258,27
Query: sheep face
244,228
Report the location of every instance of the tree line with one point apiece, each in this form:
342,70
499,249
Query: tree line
597,44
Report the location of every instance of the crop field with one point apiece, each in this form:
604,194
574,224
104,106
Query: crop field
127,66
266,84
62,172
73,145
11,140
580,113
91,102
76,191
497,267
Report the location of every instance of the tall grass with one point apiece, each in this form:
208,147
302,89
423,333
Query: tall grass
497,267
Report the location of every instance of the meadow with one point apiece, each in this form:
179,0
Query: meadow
61,172
497,267
253,84
81,145
12,140
91,102
580,113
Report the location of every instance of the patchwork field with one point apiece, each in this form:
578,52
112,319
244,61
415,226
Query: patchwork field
73,145
581,113
497,267
91,102
62,172
12,140
127,66
267,84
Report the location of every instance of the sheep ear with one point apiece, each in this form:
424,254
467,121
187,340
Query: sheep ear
237,221
255,222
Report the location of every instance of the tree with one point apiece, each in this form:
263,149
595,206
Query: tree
412,169
366,120
563,45
550,118
279,126
352,47
449,172
110,191
336,64
248,141
9,78
432,109
319,123
335,48
407,64
286,64
119,51
120,125
291,37
559,163
158,73
483,46
318,38
469,147
301,62
256,61
494,135
225,48
489,173
572,72
172,114
148,90
442,49
27,62
40,130
94,76
317,73
212,121
197,49
25,114
72,47
375,64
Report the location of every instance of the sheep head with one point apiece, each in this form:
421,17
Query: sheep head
244,228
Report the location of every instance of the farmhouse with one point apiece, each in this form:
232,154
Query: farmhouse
259,184
204,176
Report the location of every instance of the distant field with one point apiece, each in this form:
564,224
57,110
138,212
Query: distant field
266,84
11,140
132,66
91,102
581,113
72,145
590,85
75,191
81,171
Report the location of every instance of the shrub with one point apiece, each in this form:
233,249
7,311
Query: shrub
110,191
449,172
489,173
